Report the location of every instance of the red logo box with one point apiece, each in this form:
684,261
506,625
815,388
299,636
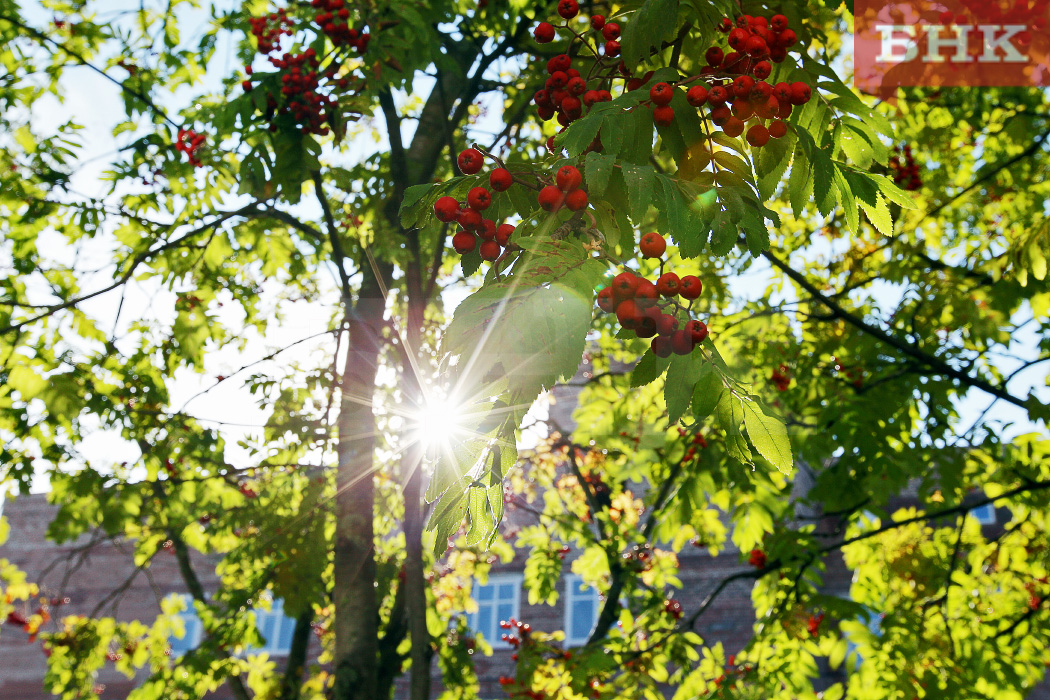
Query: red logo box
951,43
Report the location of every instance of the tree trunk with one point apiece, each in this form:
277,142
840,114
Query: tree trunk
356,607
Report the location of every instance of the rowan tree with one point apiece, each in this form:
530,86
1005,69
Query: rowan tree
768,272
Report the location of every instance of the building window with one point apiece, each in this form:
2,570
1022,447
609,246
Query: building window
582,606
498,600
985,514
275,627
192,625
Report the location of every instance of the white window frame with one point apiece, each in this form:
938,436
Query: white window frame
985,514
573,593
496,580
192,624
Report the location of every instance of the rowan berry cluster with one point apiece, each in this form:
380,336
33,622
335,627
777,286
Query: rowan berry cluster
697,441
757,558
780,378
565,93
673,608
738,93
519,636
333,22
813,624
565,192
189,142
269,29
905,170
650,309
468,213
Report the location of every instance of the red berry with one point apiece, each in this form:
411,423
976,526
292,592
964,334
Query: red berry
490,250
663,116
717,96
762,70
568,8
714,56
661,346
696,96
681,342
612,47
551,198
757,558
661,94
568,178
607,300
652,245
544,32
721,115
576,200
470,161
787,38
800,93
488,230
756,46
610,31
758,136
446,209
557,81
698,331
597,22
767,109
469,218
666,324
503,233
737,38
743,109
624,285
725,25
577,86
668,285
479,198
628,313
782,91
500,179
464,242
561,62
777,54
733,127
690,287
778,129
778,23
742,86
645,293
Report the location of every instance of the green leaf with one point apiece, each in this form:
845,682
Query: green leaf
597,168
682,376
648,369
640,181
647,28
769,436
707,392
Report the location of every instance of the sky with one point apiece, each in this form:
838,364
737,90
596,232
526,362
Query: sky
95,103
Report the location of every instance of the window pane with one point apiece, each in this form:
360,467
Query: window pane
483,592
506,611
265,622
189,640
506,591
284,640
485,624
582,618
